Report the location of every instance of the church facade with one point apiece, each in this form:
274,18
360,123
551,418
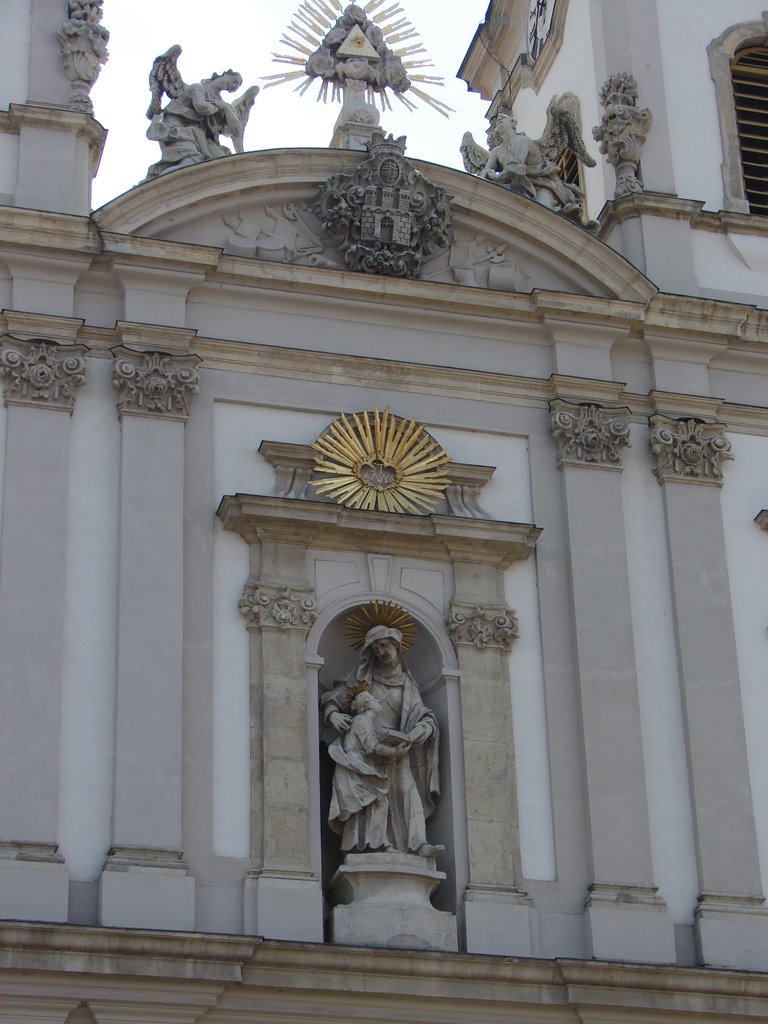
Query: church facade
263,406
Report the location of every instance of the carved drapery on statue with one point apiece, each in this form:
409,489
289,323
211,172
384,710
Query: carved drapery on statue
386,217
529,166
189,126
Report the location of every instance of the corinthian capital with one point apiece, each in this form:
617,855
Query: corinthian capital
154,383
483,626
589,435
271,606
689,450
41,373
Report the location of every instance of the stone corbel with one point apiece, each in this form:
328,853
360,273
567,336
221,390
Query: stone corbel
688,450
41,373
154,383
272,606
483,626
589,434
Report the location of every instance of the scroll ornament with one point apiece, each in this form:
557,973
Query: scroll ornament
689,450
83,44
483,627
589,434
154,383
43,373
266,605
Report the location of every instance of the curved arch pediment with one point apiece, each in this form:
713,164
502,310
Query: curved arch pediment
260,205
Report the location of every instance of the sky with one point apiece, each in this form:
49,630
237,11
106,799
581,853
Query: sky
243,34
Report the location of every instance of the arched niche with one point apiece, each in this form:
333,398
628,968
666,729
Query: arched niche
432,663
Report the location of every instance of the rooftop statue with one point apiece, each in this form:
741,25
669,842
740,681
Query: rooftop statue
189,126
529,166
83,44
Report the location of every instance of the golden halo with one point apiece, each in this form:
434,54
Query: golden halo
379,613
379,462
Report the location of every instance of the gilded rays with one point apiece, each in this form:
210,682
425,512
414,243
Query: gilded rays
379,462
379,613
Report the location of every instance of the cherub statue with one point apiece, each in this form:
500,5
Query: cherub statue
529,166
189,126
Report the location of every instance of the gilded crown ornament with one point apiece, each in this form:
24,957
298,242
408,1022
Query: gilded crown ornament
379,613
375,461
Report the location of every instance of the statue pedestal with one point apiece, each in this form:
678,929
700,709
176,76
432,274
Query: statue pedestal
383,900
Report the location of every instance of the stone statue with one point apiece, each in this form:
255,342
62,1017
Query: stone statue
385,750
189,126
83,44
622,132
529,166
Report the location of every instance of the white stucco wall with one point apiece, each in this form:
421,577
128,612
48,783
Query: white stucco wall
14,67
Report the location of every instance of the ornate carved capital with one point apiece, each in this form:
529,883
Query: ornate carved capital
689,450
589,435
83,44
270,606
622,131
41,373
489,626
154,383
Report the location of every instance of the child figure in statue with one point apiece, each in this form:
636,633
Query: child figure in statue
386,777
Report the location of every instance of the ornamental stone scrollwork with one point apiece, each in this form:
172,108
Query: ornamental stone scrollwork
83,44
623,131
689,450
589,435
483,626
385,217
42,373
154,383
271,606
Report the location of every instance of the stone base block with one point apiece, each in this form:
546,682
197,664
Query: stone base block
147,889
383,899
732,933
498,921
283,907
629,923
34,885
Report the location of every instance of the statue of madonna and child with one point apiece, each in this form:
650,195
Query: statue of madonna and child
385,753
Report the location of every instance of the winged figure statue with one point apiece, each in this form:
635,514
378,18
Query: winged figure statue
189,126
529,166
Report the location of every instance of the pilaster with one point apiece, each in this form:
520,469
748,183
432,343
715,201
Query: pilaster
689,467
625,919
145,882
283,897
39,379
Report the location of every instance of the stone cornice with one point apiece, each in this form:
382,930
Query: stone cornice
655,204
316,524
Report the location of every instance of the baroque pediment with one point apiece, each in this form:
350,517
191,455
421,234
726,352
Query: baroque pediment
264,206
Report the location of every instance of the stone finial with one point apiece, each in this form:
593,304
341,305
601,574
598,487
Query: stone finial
83,43
385,217
154,383
622,131
689,450
41,373
483,626
271,606
589,435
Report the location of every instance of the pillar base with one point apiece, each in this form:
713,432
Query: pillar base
283,906
383,899
629,923
147,888
34,885
498,921
732,932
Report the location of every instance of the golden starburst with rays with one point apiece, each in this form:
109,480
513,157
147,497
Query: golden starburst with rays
375,461
379,613
314,52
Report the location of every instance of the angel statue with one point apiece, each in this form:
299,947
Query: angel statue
189,126
528,166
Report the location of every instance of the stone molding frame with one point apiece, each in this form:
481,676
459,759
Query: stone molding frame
588,434
721,51
154,383
688,450
271,606
41,373
483,626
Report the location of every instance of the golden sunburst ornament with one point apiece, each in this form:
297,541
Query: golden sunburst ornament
379,613
379,462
